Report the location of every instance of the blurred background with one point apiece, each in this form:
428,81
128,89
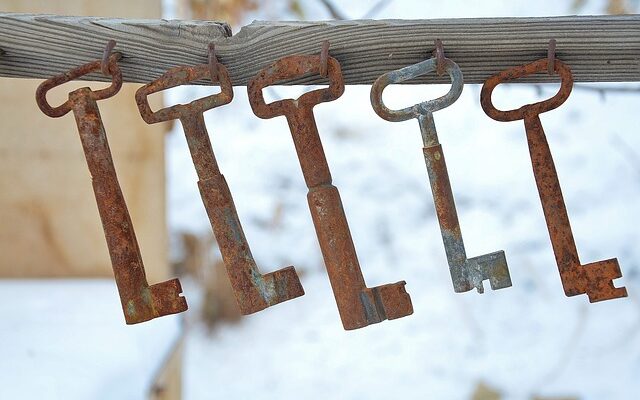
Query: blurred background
66,337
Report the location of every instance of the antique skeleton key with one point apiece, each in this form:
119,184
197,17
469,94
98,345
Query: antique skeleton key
466,273
140,302
358,305
253,291
594,279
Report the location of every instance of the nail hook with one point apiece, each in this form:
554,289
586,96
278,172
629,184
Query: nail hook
324,57
213,62
108,49
551,57
439,55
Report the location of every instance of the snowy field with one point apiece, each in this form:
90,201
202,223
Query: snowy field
524,341
66,339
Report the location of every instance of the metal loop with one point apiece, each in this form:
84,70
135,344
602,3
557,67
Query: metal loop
181,76
324,56
289,68
410,72
541,65
116,84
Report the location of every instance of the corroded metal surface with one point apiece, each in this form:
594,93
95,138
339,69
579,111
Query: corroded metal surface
594,279
140,302
466,273
358,305
253,291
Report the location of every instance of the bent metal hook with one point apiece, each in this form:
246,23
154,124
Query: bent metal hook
594,279
466,273
140,302
358,305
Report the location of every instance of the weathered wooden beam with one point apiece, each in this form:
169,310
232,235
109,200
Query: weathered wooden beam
39,45
597,48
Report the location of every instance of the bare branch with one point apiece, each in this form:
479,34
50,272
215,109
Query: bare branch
379,6
627,152
596,89
333,10
604,90
569,348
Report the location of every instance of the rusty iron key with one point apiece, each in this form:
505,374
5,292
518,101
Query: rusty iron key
140,302
358,305
594,279
253,291
466,273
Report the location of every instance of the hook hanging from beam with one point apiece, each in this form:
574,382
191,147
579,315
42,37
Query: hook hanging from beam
324,56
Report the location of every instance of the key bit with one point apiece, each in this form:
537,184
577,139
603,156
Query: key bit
253,291
594,279
466,273
358,305
140,302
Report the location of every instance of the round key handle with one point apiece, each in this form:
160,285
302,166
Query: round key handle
292,67
410,72
541,65
59,111
181,76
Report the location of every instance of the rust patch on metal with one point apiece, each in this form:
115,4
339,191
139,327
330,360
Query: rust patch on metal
466,273
140,302
358,305
253,291
593,279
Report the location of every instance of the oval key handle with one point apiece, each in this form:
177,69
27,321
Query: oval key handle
289,68
55,112
410,72
541,65
181,76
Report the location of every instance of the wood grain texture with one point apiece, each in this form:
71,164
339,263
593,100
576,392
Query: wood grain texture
40,46
597,48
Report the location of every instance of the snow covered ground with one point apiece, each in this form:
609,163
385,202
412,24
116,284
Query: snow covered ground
66,339
525,340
